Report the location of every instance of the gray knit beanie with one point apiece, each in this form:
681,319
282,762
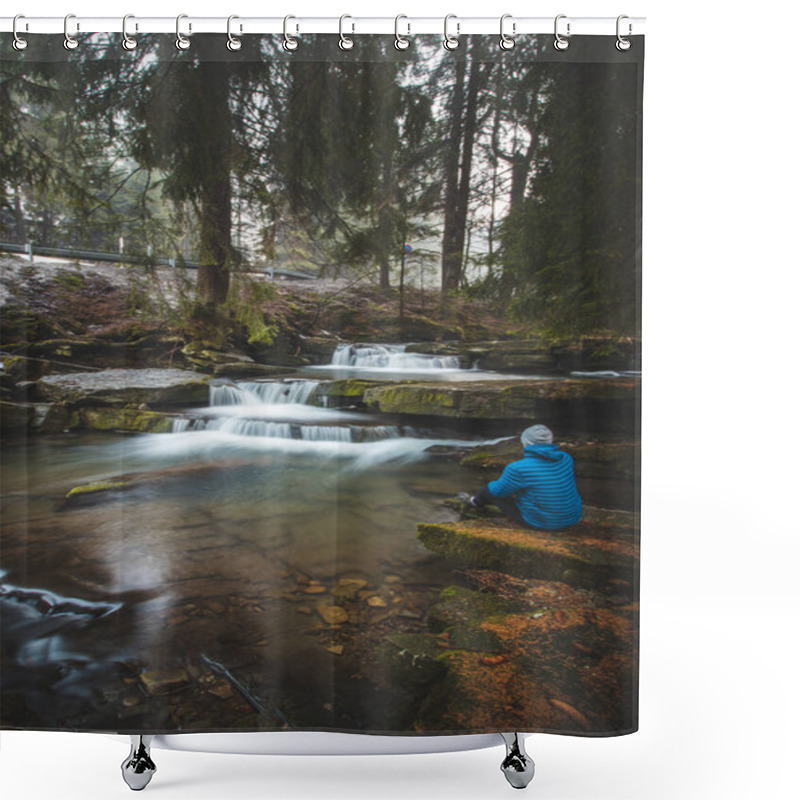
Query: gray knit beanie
537,434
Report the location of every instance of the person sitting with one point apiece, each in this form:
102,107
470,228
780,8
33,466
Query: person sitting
539,490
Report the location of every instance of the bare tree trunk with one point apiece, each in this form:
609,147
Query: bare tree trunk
456,235
213,277
450,254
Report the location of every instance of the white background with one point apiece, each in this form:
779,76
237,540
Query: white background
720,604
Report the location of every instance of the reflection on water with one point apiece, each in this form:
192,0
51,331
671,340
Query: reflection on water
200,539
227,542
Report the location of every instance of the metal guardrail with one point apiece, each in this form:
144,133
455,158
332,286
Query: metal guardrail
31,250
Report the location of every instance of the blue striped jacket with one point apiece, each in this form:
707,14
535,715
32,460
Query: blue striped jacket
543,486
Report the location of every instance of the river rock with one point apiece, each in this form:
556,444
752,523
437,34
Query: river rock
348,588
163,681
122,420
536,355
349,391
411,660
600,548
15,417
606,404
125,387
249,369
333,615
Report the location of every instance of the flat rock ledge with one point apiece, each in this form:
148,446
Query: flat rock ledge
612,401
153,387
598,552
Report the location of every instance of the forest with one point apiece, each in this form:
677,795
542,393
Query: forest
266,318
513,182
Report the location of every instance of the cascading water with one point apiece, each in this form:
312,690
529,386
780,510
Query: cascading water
254,393
253,409
289,416
390,357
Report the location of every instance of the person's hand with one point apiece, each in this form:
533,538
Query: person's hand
467,499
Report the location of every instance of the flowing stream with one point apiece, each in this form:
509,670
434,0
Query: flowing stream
202,534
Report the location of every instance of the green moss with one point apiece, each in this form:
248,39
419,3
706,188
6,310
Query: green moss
125,420
586,555
93,488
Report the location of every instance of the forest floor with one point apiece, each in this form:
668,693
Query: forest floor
117,301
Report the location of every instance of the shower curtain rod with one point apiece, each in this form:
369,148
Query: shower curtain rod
408,25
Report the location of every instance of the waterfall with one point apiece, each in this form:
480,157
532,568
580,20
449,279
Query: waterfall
248,393
389,357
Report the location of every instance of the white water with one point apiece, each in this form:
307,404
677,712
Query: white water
390,357
276,416
260,393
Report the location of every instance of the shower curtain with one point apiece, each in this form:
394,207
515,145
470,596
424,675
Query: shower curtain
320,385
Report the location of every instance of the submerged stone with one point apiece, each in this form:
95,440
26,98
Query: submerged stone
412,660
163,681
333,615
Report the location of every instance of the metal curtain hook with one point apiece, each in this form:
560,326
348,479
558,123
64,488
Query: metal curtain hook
233,44
623,44
561,42
128,42
450,41
19,42
181,42
345,42
289,42
507,42
401,42
70,42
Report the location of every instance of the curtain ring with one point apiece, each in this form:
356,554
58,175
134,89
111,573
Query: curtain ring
181,42
70,42
128,42
623,44
400,42
561,42
451,42
289,42
233,44
19,42
345,42
507,42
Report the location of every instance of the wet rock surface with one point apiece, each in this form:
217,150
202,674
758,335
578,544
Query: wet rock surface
600,548
124,386
606,404
540,356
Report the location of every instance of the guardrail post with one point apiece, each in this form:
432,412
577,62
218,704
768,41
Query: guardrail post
29,251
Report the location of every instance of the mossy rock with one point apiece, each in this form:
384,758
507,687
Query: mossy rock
93,492
599,549
458,607
53,418
607,404
566,671
124,420
411,660
349,390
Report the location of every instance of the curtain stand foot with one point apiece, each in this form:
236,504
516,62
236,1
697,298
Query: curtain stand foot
138,768
517,766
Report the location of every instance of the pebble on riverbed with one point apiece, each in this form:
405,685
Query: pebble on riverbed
333,615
